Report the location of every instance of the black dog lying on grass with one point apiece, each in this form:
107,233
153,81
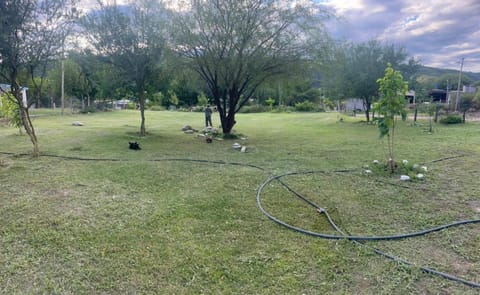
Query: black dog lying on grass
134,145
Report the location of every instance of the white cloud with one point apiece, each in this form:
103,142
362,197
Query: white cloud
438,31
344,6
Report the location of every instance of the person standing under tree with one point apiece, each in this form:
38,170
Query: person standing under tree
208,116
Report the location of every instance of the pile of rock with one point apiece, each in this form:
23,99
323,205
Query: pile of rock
188,129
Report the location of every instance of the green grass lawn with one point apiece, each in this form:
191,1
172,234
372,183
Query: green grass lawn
161,222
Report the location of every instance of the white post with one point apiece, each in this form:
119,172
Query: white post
24,97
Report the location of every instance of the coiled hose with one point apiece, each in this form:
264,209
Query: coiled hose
358,240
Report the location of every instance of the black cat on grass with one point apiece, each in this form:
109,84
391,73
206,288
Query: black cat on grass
133,145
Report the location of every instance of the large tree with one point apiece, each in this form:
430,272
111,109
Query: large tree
366,63
32,35
236,45
352,71
132,39
333,69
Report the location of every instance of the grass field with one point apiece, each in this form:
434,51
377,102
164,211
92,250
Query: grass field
180,216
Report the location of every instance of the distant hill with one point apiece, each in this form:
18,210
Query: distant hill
436,72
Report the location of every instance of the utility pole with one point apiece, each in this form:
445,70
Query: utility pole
459,81
63,79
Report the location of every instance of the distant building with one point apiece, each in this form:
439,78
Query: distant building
469,89
452,95
410,96
438,95
449,97
355,104
121,104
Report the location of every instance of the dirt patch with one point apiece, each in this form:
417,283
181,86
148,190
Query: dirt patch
475,205
5,163
55,194
462,268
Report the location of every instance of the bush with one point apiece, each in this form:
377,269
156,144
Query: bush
307,106
156,108
282,109
451,119
87,110
10,111
202,99
198,109
254,109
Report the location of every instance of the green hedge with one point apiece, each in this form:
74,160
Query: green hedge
451,119
308,106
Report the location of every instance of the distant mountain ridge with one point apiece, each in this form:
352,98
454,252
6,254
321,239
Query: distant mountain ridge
437,72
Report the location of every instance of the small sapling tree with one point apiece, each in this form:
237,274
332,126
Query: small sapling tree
31,36
392,90
270,101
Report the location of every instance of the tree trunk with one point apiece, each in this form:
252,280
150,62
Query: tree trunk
415,114
437,110
141,98
142,125
367,114
228,121
27,124
367,109
25,117
226,110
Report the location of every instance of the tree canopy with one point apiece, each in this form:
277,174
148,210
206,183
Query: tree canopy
236,45
352,70
32,35
132,39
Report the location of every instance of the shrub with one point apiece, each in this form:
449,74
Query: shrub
87,110
198,109
156,108
254,109
282,109
451,119
202,99
270,101
307,106
10,111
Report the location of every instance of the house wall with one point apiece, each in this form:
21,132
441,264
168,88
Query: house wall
352,104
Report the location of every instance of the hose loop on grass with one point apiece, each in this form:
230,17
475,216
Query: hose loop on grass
358,240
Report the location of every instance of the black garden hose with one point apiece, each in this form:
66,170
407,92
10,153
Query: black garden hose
358,240
340,237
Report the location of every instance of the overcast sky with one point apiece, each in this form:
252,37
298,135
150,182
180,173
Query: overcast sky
439,32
